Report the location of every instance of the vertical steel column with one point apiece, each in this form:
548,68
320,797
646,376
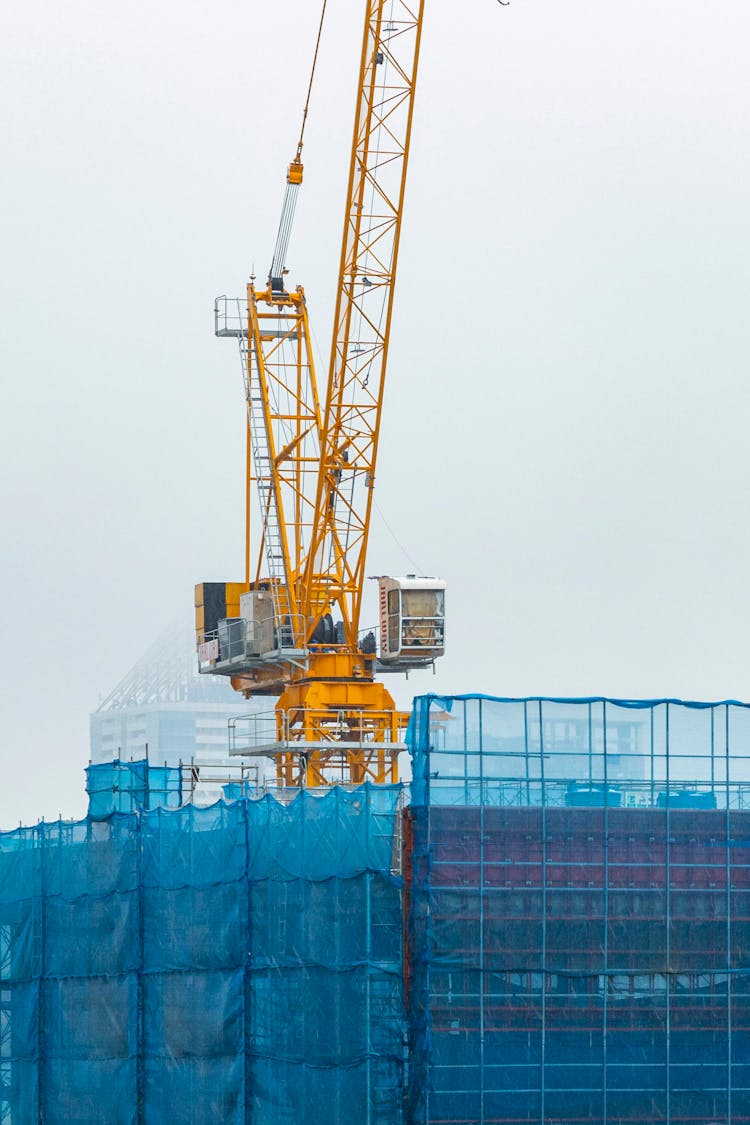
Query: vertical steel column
304,799
140,1021
6,1023
427,868
368,954
368,989
652,778
730,978
669,926
543,974
526,751
605,888
41,1013
246,924
466,758
481,920
591,746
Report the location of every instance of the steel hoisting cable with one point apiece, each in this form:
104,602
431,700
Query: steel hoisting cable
278,261
284,235
310,84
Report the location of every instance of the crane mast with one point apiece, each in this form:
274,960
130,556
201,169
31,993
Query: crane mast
292,628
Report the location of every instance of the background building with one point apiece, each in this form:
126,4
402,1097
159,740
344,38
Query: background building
165,712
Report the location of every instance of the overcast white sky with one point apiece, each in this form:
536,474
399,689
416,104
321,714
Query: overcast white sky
566,427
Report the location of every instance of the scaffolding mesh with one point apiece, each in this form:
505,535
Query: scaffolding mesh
132,786
579,932
240,963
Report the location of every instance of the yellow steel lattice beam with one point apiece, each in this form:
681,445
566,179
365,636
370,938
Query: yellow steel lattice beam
364,304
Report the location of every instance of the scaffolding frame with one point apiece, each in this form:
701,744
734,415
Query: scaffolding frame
580,921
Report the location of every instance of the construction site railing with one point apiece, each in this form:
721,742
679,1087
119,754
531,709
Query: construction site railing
266,732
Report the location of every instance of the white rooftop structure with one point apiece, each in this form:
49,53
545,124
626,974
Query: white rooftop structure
168,673
164,710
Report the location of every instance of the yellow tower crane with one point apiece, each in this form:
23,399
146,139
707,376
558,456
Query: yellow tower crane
291,628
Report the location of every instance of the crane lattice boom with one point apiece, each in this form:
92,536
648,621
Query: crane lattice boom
364,304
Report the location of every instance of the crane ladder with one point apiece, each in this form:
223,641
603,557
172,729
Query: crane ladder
263,465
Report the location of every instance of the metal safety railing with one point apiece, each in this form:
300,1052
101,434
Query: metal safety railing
303,728
238,640
213,775
508,792
230,316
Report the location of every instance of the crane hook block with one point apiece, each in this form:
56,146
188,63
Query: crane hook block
294,172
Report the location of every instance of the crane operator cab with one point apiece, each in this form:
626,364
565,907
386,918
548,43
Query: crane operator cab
412,622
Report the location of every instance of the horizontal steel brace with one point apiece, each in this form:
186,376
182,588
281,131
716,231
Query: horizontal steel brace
302,746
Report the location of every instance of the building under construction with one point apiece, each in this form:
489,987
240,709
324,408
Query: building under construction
580,912
552,925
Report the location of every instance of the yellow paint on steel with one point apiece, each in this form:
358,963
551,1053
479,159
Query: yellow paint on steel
321,465
369,256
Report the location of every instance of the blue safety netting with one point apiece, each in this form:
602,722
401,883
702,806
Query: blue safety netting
240,963
579,929
132,786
